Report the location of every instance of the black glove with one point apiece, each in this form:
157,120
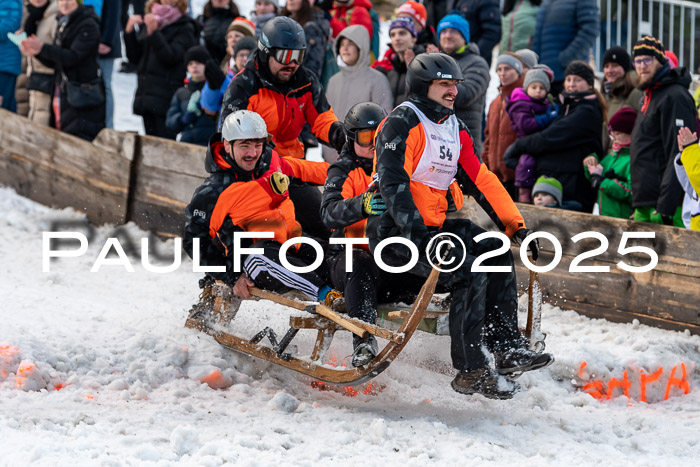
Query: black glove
612,175
336,136
511,156
212,72
533,247
596,180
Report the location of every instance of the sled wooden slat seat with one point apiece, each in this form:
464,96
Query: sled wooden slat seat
401,314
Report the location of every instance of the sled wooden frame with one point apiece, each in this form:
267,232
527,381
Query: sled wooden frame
327,322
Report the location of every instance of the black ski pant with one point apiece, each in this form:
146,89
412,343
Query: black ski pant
483,306
367,285
267,272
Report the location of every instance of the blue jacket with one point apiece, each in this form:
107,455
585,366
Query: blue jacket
10,21
200,128
565,31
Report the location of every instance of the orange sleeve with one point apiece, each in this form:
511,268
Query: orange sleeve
306,171
499,199
457,194
321,126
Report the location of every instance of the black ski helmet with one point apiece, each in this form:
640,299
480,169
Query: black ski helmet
362,116
426,68
281,32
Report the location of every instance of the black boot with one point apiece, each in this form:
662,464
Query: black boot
486,382
520,360
364,350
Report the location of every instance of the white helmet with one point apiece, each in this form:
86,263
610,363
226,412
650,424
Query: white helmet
244,124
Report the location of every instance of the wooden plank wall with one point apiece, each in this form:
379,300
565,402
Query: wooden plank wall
166,173
124,177
668,296
59,170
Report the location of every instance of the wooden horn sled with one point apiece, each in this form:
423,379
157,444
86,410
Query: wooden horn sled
326,322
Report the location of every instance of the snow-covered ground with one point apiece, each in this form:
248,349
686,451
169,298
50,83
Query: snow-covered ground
97,369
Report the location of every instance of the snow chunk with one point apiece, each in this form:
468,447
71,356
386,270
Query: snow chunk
283,402
184,439
118,385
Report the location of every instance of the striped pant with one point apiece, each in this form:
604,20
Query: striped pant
267,272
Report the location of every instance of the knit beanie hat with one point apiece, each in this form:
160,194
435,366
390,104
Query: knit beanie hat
197,54
244,43
457,22
415,10
548,185
623,120
619,55
580,69
649,45
512,60
672,58
242,25
403,22
528,57
537,75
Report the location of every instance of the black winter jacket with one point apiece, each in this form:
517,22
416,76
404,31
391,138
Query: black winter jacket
214,31
561,147
161,64
484,19
201,129
74,53
667,107
317,31
110,27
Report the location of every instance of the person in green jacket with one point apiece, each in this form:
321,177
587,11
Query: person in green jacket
518,24
611,177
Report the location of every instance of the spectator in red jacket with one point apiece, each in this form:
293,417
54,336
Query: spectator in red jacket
349,12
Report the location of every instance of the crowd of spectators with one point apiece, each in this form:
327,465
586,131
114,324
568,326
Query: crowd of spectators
607,148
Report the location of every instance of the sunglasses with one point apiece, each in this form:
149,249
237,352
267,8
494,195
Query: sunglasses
287,56
646,61
365,138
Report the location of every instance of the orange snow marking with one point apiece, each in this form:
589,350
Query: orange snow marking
580,370
597,388
8,353
217,380
90,396
681,382
644,379
624,384
23,372
349,391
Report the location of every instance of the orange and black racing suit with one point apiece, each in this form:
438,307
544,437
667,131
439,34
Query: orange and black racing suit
286,108
231,200
481,302
341,210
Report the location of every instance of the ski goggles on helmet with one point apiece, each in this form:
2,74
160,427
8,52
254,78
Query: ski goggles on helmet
287,56
365,138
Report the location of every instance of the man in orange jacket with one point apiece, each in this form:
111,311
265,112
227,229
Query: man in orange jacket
421,148
247,192
287,96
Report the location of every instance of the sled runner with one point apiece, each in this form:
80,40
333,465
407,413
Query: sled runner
327,322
